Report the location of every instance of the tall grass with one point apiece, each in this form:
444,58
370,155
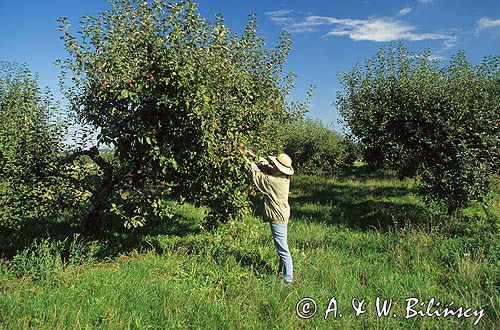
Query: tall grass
352,236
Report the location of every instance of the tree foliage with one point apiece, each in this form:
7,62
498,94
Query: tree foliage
439,123
29,144
314,148
178,98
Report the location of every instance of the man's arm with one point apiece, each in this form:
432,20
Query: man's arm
258,177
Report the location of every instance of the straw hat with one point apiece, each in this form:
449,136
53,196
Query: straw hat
284,163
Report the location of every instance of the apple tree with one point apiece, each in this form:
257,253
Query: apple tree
438,123
179,99
30,140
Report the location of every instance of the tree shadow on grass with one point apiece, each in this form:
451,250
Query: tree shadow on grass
120,240
359,206
252,261
362,173
114,239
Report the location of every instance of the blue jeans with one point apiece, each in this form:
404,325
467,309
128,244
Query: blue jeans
279,236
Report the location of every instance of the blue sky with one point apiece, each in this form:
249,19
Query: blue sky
329,36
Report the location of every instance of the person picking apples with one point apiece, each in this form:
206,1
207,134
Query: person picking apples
272,179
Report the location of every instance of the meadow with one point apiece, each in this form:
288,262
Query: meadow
353,237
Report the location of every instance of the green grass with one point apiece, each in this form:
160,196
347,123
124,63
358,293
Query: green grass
354,236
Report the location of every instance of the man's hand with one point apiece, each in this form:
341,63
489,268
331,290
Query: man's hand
251,153
251,192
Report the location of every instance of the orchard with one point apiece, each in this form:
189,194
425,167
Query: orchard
179,100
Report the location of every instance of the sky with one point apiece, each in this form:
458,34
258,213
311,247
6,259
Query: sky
328,36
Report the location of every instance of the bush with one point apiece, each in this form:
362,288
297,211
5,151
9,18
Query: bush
313,147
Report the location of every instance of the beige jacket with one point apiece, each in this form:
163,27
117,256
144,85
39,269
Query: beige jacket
275,190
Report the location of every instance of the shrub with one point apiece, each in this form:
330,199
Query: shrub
313,147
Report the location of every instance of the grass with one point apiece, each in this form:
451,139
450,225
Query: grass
357,235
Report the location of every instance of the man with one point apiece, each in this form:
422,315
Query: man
273,180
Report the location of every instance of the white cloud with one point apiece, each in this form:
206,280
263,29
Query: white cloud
435,57
406,10
425,2
289,20
378,29
432,57
279,14
485,23
280,17
372,29
450,42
